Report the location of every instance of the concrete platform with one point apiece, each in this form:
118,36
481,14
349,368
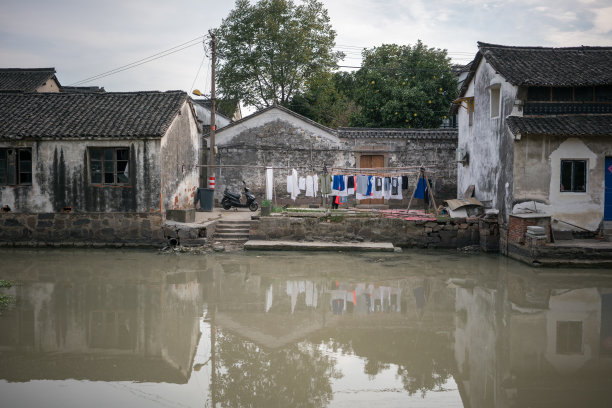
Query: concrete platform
319,246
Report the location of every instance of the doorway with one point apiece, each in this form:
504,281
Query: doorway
374,162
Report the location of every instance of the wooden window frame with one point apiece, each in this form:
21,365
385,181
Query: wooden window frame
103,167
18,172
572,188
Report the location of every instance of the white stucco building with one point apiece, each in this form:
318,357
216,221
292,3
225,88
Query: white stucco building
535,132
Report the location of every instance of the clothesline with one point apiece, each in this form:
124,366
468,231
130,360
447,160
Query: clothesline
353,170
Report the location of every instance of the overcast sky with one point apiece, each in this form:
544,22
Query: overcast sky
84,38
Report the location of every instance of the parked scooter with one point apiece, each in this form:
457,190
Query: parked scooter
233,200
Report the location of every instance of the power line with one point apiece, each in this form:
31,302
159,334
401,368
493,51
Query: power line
198,73
142,61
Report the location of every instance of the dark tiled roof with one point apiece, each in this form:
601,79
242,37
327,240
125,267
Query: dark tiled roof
83,89
570,125
400,133
540,66
88,115
546,66
24,79
269,108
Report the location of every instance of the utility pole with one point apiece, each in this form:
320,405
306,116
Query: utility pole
211,139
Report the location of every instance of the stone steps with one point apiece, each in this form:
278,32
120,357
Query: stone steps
232,230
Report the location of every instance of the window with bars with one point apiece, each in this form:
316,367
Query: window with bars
109,165
573,176
15,166
569,337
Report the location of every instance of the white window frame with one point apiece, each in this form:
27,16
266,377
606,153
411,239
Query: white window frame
495,101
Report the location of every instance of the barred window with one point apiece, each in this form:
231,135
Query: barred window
15,166
573,176
109,165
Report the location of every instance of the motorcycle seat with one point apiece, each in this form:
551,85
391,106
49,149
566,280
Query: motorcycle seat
233,195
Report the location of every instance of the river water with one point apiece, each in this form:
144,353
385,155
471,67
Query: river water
102,328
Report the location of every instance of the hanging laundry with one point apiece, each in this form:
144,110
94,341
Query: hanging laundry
396,191
387,188
421,189
295,190
350,185
378,188
269,183
370,185
362,185
309,186
338,182
302,183
315,182
289,183
325,184
404,182
344,192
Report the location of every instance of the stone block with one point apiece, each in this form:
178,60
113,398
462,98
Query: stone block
46,216
12,222
432,239
187,216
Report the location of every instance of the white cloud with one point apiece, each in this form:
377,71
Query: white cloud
603,20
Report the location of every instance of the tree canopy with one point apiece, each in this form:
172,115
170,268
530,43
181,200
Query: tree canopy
327,100
403,86
267,51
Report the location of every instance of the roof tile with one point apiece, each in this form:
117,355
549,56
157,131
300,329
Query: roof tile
88,115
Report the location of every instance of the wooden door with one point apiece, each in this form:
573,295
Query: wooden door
374,162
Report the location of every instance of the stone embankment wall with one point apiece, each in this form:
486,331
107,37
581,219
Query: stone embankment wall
447,233
81,229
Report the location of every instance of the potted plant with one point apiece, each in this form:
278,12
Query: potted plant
265,207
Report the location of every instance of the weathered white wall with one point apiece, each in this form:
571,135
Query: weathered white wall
50,86
580,305
60,178
537,167
203,115
488,144
226,136
178,160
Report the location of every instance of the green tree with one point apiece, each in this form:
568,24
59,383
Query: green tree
267,51
327,100
403,86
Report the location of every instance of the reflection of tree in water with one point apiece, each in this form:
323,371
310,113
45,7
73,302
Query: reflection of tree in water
424,359
248,375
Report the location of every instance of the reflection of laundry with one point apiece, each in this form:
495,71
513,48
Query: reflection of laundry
337,306
269,298
419,297
309,294
338,298
294,295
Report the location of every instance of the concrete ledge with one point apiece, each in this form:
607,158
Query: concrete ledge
187,216
318,246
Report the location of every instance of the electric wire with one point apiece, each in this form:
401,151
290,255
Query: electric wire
198,73
141,61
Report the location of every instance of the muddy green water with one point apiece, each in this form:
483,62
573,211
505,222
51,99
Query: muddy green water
102,328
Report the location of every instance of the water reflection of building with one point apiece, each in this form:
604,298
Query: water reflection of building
276,312
269,326
139,326
535,341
